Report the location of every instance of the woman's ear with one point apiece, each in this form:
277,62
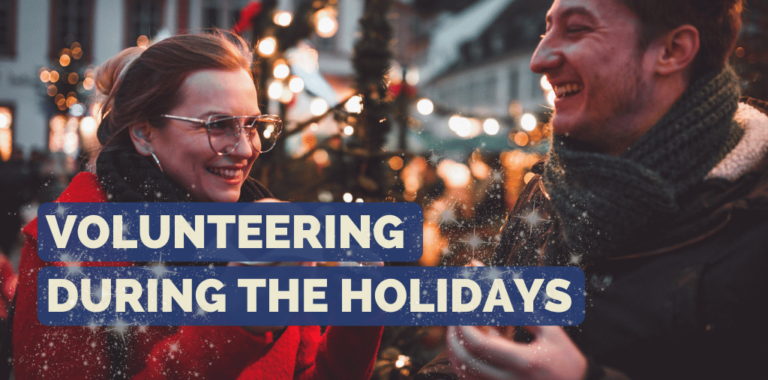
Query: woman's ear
141,138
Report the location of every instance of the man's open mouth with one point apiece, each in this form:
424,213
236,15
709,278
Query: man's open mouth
569,89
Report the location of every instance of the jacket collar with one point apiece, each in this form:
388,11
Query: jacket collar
85,187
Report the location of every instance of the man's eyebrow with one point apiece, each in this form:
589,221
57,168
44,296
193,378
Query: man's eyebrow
573,11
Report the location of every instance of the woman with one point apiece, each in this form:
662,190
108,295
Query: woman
169,135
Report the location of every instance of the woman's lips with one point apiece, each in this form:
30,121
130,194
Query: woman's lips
229,174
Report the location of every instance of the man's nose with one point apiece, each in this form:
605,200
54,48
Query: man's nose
547,56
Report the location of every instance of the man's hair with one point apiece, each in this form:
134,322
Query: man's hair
718,23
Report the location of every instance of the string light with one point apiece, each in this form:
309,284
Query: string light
521,138
88,83
349,130
528,122
454,174
283,18
545,85
425,106
396,163
275,90
281,70
461,125
491,127
296,84
354,104
286,96
326,23
267,46
142,41
88,125
5,118
76,110
318,106
347,197
412,76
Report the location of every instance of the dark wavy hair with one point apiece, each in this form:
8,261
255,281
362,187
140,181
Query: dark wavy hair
718,23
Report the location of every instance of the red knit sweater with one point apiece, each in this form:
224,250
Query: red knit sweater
188,352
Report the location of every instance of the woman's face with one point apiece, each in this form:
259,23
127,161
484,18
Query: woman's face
182,147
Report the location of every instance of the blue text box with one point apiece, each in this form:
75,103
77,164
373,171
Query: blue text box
558,300
60,237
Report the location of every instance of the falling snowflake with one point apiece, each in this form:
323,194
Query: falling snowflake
61,211
434,158
576,260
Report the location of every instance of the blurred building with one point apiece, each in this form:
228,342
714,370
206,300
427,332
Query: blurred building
34,34
477,66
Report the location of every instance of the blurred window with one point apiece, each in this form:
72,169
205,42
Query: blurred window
7,28
490,90
514,85
144,18
211,17
71,21
536,91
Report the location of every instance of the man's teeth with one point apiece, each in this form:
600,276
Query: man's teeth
225,173
568,89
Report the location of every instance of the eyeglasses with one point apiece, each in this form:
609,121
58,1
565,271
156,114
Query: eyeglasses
224,131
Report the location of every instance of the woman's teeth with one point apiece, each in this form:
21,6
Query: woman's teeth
568,89
225,173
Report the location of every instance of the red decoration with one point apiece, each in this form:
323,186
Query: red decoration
247,14
410,91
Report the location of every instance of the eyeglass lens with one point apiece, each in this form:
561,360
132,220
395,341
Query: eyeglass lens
224,132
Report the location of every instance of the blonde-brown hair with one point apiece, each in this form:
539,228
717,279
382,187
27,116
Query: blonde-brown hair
140,84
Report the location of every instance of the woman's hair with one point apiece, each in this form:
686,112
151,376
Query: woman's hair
140,84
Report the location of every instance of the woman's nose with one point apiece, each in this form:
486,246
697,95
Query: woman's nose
244,148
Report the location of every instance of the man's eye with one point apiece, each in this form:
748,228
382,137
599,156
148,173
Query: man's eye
577,29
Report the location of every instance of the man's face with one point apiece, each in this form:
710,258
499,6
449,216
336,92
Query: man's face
590,55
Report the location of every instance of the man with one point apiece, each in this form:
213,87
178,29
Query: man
656,186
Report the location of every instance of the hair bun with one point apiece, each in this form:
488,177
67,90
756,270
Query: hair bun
113,70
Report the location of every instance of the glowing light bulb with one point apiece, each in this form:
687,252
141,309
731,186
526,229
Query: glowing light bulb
425,106
326,24
275,90
296,84
354,104
267,46
528,122
545,85
347,197
281,71
491,126
283,18
318,106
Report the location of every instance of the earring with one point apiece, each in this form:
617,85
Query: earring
156,160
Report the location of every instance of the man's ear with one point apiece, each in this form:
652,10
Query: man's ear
679,50
141,137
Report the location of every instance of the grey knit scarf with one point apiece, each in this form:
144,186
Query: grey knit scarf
607,204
